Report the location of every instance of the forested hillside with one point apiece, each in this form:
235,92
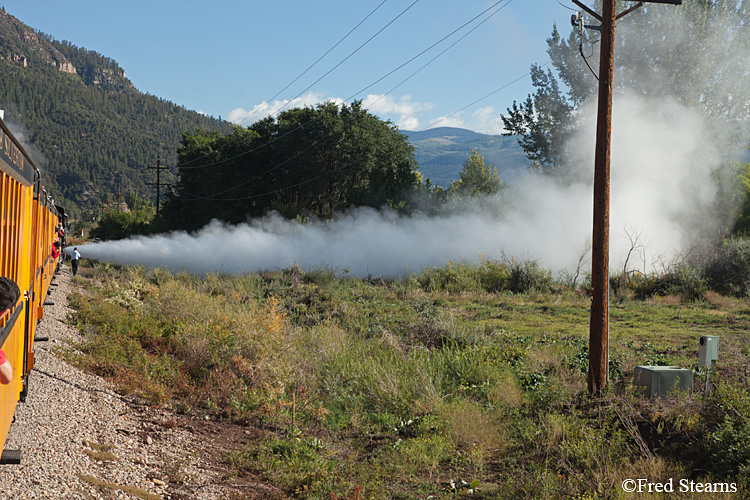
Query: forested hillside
84,123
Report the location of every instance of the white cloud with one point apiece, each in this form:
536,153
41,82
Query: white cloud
385,104
404,112
486,121
264,109
408,123
454,120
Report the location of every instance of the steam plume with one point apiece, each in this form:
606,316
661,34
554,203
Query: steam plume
661,173
662,192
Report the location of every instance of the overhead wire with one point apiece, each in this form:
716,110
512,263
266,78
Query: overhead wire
437,43
565,6
441,53
187,164
213,197
313,64
342,167
293,81
347,57
482,98
260,175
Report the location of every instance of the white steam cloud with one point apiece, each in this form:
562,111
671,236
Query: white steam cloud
664,155
661,181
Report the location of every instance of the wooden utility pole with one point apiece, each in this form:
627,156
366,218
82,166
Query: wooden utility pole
599,324
158,169
599,321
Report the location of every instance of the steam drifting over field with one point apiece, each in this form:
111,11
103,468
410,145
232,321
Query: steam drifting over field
661,189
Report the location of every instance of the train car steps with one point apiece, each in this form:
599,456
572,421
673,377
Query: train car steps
10,457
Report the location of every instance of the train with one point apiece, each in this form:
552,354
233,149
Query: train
30,223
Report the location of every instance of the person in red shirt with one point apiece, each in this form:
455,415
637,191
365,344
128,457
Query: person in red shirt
55,249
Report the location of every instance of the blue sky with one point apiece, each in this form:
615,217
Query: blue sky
228,58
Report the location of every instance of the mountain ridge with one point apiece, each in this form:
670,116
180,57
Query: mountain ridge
441,152
96,134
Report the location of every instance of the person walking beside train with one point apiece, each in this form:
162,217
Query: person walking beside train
9,294
74,260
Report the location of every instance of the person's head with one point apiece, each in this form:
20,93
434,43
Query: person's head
9,293
57,243
75,249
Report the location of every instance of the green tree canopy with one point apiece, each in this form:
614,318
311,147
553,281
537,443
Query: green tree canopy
696,53
477,178
307,161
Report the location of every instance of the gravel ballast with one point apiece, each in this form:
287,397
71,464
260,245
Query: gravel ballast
81,440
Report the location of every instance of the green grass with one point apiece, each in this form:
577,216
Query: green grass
431,385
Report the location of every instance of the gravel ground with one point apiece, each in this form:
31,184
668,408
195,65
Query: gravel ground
81,440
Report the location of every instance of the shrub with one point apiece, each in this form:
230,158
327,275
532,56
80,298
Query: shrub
729,448
727,268
492,276
451,278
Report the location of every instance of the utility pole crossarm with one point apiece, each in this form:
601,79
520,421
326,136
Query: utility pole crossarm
158,169
588,11
631,9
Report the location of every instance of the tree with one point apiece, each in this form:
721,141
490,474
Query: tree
696,53
543,123
307,161
114,225
476,178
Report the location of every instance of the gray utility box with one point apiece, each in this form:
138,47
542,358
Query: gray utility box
708,350
661,380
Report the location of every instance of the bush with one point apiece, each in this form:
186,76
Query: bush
492,276
451,278
114,225
727,268
729,448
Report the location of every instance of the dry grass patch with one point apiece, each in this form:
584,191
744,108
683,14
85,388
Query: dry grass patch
473,430
507,390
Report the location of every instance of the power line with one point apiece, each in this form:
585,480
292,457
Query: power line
257,176
303,73
347,57
443,52
213,197
314,64
186,165
198,197
482,98
437,43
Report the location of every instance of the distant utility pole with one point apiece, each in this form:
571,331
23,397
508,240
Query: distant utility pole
599,322
158,169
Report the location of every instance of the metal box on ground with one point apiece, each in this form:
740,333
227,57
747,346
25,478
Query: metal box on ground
708,350
661,380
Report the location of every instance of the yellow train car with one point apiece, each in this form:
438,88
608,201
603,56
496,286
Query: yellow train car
28,218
